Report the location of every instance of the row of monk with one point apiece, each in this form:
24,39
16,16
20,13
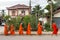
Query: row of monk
28,32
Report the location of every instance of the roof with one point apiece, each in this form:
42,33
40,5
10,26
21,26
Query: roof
18,6
57,10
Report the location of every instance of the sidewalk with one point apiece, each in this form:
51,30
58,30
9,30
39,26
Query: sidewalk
34,33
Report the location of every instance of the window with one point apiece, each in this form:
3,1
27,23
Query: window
13,13
22,11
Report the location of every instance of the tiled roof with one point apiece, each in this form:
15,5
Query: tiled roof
18,6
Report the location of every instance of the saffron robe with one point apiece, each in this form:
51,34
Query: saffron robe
39,30
12,32
28,32
5,30
55,29
20,29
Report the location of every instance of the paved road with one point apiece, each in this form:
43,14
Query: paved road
1,29
32,37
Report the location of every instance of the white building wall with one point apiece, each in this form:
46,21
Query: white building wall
43,19
10,12
19,12
57,15
26,12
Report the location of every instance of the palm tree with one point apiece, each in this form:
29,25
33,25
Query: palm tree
58,2
54,6
37,11
51,7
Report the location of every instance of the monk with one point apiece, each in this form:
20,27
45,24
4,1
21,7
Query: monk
12,32
21,29
55,29
5,30
39,30
28,32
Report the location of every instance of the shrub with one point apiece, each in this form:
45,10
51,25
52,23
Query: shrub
32,20
6,18
15,21
26,20
33,23
47,27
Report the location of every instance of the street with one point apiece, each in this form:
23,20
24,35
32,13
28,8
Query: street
30,37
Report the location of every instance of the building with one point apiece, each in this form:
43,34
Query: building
18,10
56,17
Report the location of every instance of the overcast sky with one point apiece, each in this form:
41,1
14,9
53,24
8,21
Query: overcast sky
8,3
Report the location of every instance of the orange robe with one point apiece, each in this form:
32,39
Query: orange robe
55,29
5,30
28,32
39,31
12,32
20,29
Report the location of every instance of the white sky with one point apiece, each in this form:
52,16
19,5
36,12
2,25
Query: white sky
8,3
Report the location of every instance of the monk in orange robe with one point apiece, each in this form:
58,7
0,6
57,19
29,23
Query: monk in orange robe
55,29
12,32
5,30
20,30
28,32
39,30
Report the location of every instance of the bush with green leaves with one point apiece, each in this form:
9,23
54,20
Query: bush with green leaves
47,27
15,21
26,20
33,23
32,20
6,18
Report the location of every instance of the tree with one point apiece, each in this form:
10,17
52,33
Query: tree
15,21
37,11
54,7
26,20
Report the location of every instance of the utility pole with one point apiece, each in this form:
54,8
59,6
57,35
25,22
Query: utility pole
30,6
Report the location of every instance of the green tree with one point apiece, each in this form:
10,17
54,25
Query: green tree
48,14
37,11
26,20
6,18
15,21
33,23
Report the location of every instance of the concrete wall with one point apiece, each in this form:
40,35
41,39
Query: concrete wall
18,12
26,11
43,19
57,14
10,12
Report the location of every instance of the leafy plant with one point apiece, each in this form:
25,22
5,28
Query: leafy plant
6,18
47,27
15,21
26,20
33,23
